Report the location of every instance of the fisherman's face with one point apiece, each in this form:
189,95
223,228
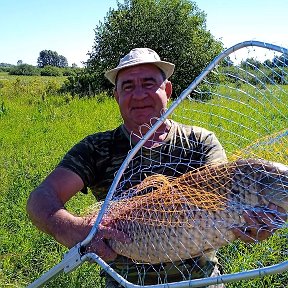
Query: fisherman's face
142,94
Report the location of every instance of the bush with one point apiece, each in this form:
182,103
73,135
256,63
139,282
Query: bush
68,72
81,84
71,71
50,71
5,69
24,69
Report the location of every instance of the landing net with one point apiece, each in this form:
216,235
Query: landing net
179,207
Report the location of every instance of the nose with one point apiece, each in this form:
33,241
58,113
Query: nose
139,93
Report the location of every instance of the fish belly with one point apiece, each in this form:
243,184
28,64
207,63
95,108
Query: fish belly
168,243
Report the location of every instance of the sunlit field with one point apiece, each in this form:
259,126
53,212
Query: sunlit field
38,125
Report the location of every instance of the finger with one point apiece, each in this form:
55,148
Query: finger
107,253
271,220
254,219
263,219
111,233
99,247
251,218
243,235
280,212
249,235
265,232
272,216
260,224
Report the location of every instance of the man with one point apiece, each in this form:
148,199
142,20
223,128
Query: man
142,91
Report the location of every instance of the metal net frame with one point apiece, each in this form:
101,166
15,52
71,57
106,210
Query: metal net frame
179,212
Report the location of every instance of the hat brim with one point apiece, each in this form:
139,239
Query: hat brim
166,67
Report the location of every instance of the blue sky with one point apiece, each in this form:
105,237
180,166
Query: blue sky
67,26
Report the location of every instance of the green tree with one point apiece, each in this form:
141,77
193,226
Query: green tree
62,62
176,29
51,58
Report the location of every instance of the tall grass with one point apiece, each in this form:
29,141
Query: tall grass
239,117
35,134
37,127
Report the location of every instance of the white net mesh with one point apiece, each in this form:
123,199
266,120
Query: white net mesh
178,210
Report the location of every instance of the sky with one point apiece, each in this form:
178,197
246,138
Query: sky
67,26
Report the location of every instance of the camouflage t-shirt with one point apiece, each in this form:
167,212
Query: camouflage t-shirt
97,158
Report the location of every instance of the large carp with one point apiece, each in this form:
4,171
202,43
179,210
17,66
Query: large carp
181,218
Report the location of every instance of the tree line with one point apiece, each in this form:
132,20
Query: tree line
49,63
48,70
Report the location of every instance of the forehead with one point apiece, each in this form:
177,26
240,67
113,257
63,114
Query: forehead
142,71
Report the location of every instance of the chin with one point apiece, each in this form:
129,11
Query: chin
143,120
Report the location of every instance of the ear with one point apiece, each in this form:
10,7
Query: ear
116,95
168,89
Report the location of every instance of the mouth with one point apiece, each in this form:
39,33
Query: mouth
141,107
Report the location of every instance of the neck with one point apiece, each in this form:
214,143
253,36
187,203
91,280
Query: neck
157,137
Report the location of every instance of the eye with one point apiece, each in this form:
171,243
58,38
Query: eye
149,84
127,87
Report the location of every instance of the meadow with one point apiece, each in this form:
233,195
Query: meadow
37,126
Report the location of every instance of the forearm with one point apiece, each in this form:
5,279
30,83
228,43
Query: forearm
47,212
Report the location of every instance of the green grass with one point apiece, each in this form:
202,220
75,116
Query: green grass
250,116
35,134
37,127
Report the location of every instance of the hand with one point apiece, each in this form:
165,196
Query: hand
260,225
100,246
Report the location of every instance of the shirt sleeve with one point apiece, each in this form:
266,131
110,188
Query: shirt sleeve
214,150
209,146
85,159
